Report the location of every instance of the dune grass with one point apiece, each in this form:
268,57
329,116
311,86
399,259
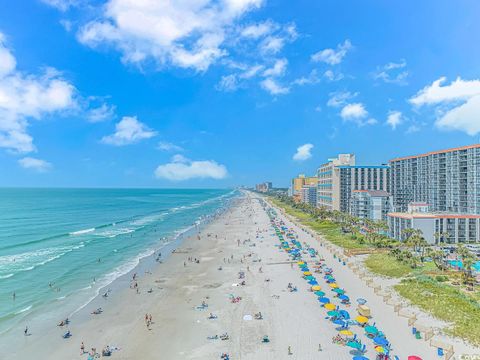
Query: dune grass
386,265
446,303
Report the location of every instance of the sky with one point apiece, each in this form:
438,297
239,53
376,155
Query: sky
223,93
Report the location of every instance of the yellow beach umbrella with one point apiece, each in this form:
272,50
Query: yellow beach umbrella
287,249
379,349
346,332
306,273
316,288
333,285
361,319
330,306
301,263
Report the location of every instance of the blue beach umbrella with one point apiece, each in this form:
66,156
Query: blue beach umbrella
361,301
360,358
339,322
324,300
344,297
344,314
380,341
313,282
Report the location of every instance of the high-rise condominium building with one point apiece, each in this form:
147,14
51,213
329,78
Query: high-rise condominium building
447,180
370,204
340,176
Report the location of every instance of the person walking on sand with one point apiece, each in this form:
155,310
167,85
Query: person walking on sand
290,350
320,347
82,348
26,331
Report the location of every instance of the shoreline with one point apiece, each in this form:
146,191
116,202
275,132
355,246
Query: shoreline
118,284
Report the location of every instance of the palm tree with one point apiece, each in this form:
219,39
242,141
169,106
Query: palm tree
467,262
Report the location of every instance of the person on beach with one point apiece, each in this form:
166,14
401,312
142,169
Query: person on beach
14,296
82,349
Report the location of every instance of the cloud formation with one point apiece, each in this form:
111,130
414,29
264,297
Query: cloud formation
356,112
273,87
304,152
459,104
128,131
393,73
24,97
394,119
180,168
35,164
187,34
333,56
168,146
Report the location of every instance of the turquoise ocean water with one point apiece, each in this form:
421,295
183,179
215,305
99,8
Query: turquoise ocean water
60,246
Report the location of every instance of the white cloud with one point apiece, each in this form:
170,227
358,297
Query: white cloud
128,131
62,5
251,71
26,96
394,119
101,113
393,73
333,56
272,44
273,87
181,168
353,111
331,76
35,164
436,93
258,30
168,146
412,129
228,83
187,34
461,99
312,78
340,98
303,152
278,68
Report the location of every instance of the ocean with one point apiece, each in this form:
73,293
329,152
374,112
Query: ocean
58,247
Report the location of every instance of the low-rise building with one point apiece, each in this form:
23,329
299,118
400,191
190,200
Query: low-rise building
370,204
436,227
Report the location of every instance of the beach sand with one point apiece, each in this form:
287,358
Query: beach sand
180,330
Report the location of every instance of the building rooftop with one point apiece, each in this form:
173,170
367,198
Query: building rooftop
437,152
362,166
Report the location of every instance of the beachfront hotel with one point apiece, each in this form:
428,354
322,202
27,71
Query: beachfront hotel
438,193
298,183
339,177
447,180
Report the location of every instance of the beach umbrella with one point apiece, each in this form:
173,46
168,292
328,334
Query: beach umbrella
333,285
339,291
306,273
361,301
313,282
310,277
324,300
344,314
339,322
361,319
346,332
316,288
414,357
354,345
300,263
319,293
371,330
359,358
380,341
330,306
333,313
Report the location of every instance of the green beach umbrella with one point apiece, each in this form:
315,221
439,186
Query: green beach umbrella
332,313
371,330
339,291
319,293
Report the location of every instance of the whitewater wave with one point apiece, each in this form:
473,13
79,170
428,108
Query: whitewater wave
81,232
23,310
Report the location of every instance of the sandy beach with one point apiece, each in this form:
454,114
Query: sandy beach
240,240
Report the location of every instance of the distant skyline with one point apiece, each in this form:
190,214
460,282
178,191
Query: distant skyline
223,93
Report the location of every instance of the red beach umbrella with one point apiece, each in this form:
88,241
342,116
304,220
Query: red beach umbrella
414,357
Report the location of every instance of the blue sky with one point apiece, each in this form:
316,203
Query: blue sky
219,93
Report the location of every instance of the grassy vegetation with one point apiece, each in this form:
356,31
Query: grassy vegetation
387,265
331,231
446,303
